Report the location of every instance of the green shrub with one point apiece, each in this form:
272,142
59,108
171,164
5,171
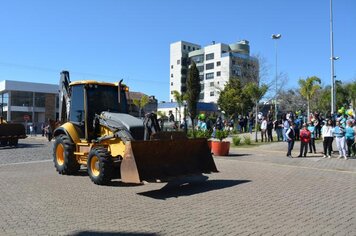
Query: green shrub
221,134
236,140
203,134
199,133
247,140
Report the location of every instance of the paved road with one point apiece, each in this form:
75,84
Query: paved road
257,192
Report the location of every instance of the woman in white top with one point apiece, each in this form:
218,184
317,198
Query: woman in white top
327,134
264,129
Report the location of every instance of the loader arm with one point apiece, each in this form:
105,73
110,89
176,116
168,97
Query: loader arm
64,97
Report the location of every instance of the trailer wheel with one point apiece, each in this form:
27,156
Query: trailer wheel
63,156
100,166
14,142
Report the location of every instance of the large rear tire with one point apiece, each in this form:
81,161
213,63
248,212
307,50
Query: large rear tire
63,156
100,166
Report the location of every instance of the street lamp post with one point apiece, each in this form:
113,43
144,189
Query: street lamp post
333,93
276,36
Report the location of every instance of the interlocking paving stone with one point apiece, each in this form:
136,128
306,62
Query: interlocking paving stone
262,193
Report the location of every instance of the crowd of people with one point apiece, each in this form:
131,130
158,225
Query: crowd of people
341,128
291,127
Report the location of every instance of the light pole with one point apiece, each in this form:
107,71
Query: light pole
333,107
332,58
276,36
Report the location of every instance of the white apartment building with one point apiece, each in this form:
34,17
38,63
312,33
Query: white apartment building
216,64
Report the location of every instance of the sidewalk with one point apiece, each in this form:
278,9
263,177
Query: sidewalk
275,153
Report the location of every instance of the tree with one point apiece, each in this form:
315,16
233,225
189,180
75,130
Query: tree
308,87
256,93
193,91
352,92
234,99
180,98
321,100
141,103
290,100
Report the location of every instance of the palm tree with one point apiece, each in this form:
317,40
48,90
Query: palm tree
308,87
180,98
141,103
256,92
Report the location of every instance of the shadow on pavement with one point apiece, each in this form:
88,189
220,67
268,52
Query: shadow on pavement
238,155
187,189
22,145
97,233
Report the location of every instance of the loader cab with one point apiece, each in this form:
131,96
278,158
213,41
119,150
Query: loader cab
89,98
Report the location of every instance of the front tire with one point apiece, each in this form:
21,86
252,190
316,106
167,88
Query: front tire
100,166
63,156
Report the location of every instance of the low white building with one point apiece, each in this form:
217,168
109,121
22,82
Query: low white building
28,102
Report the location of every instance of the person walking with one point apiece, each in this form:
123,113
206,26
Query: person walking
278,127
251,119
285,127
264,129
339,133
269,130
305,136
350,139
312,130
290,136
327,134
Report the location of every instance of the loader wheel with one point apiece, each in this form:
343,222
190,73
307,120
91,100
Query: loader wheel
100,166
63,156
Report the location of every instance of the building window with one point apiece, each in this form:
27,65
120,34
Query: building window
209,56
201,96
21,98
188,48
171,66
212,94
184,47
171,92
178,62
198,58
171,83
209,76
201,77
209,66
218,63
201,87
218,73
200,68
211,84
171,75
193,48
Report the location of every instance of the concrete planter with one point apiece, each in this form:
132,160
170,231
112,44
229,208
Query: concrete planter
220,148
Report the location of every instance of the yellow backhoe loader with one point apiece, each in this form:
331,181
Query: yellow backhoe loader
97,132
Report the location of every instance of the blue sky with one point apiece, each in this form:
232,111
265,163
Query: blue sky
110,40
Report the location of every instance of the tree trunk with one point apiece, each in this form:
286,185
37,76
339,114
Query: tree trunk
193,126
308,111
256,122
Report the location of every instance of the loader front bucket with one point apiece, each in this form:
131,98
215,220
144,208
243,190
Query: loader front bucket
12,131
164,159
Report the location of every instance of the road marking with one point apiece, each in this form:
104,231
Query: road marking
27,162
